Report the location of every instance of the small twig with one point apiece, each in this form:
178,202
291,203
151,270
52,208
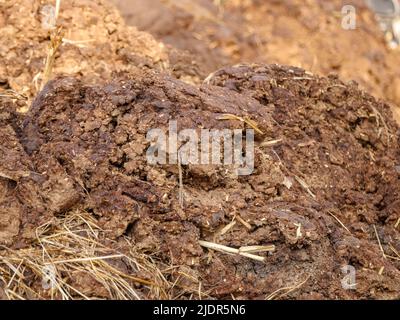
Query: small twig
56,39
181,191
228,227
86,259
218,247
11,94
340,222
246,120
58,5
229,250
380,272
305,186
379,241
6,176
250,249
394,250
243,222
298,230
55,42
14,274
207,80
78,43
289,290
383,122
270,143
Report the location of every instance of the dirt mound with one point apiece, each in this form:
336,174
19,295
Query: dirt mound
96,45
326,177
301,33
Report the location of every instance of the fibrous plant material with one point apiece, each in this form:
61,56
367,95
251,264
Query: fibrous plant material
56,39
286,290
379,242
340,222
67,254
246,120
246,251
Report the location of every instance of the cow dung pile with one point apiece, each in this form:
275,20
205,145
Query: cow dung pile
324,193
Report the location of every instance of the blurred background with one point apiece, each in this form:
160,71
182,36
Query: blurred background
305,33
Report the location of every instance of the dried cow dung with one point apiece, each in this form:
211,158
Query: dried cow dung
325,175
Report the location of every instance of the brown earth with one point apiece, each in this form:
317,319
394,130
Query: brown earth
301,33
97,44
326,171
316,194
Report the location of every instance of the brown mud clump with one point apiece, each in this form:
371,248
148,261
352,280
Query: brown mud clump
324,193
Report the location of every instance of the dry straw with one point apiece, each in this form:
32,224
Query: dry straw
245,251
56,39
246,120
68,251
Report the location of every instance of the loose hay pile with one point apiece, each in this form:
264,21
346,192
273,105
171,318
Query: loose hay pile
73,263
75,184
